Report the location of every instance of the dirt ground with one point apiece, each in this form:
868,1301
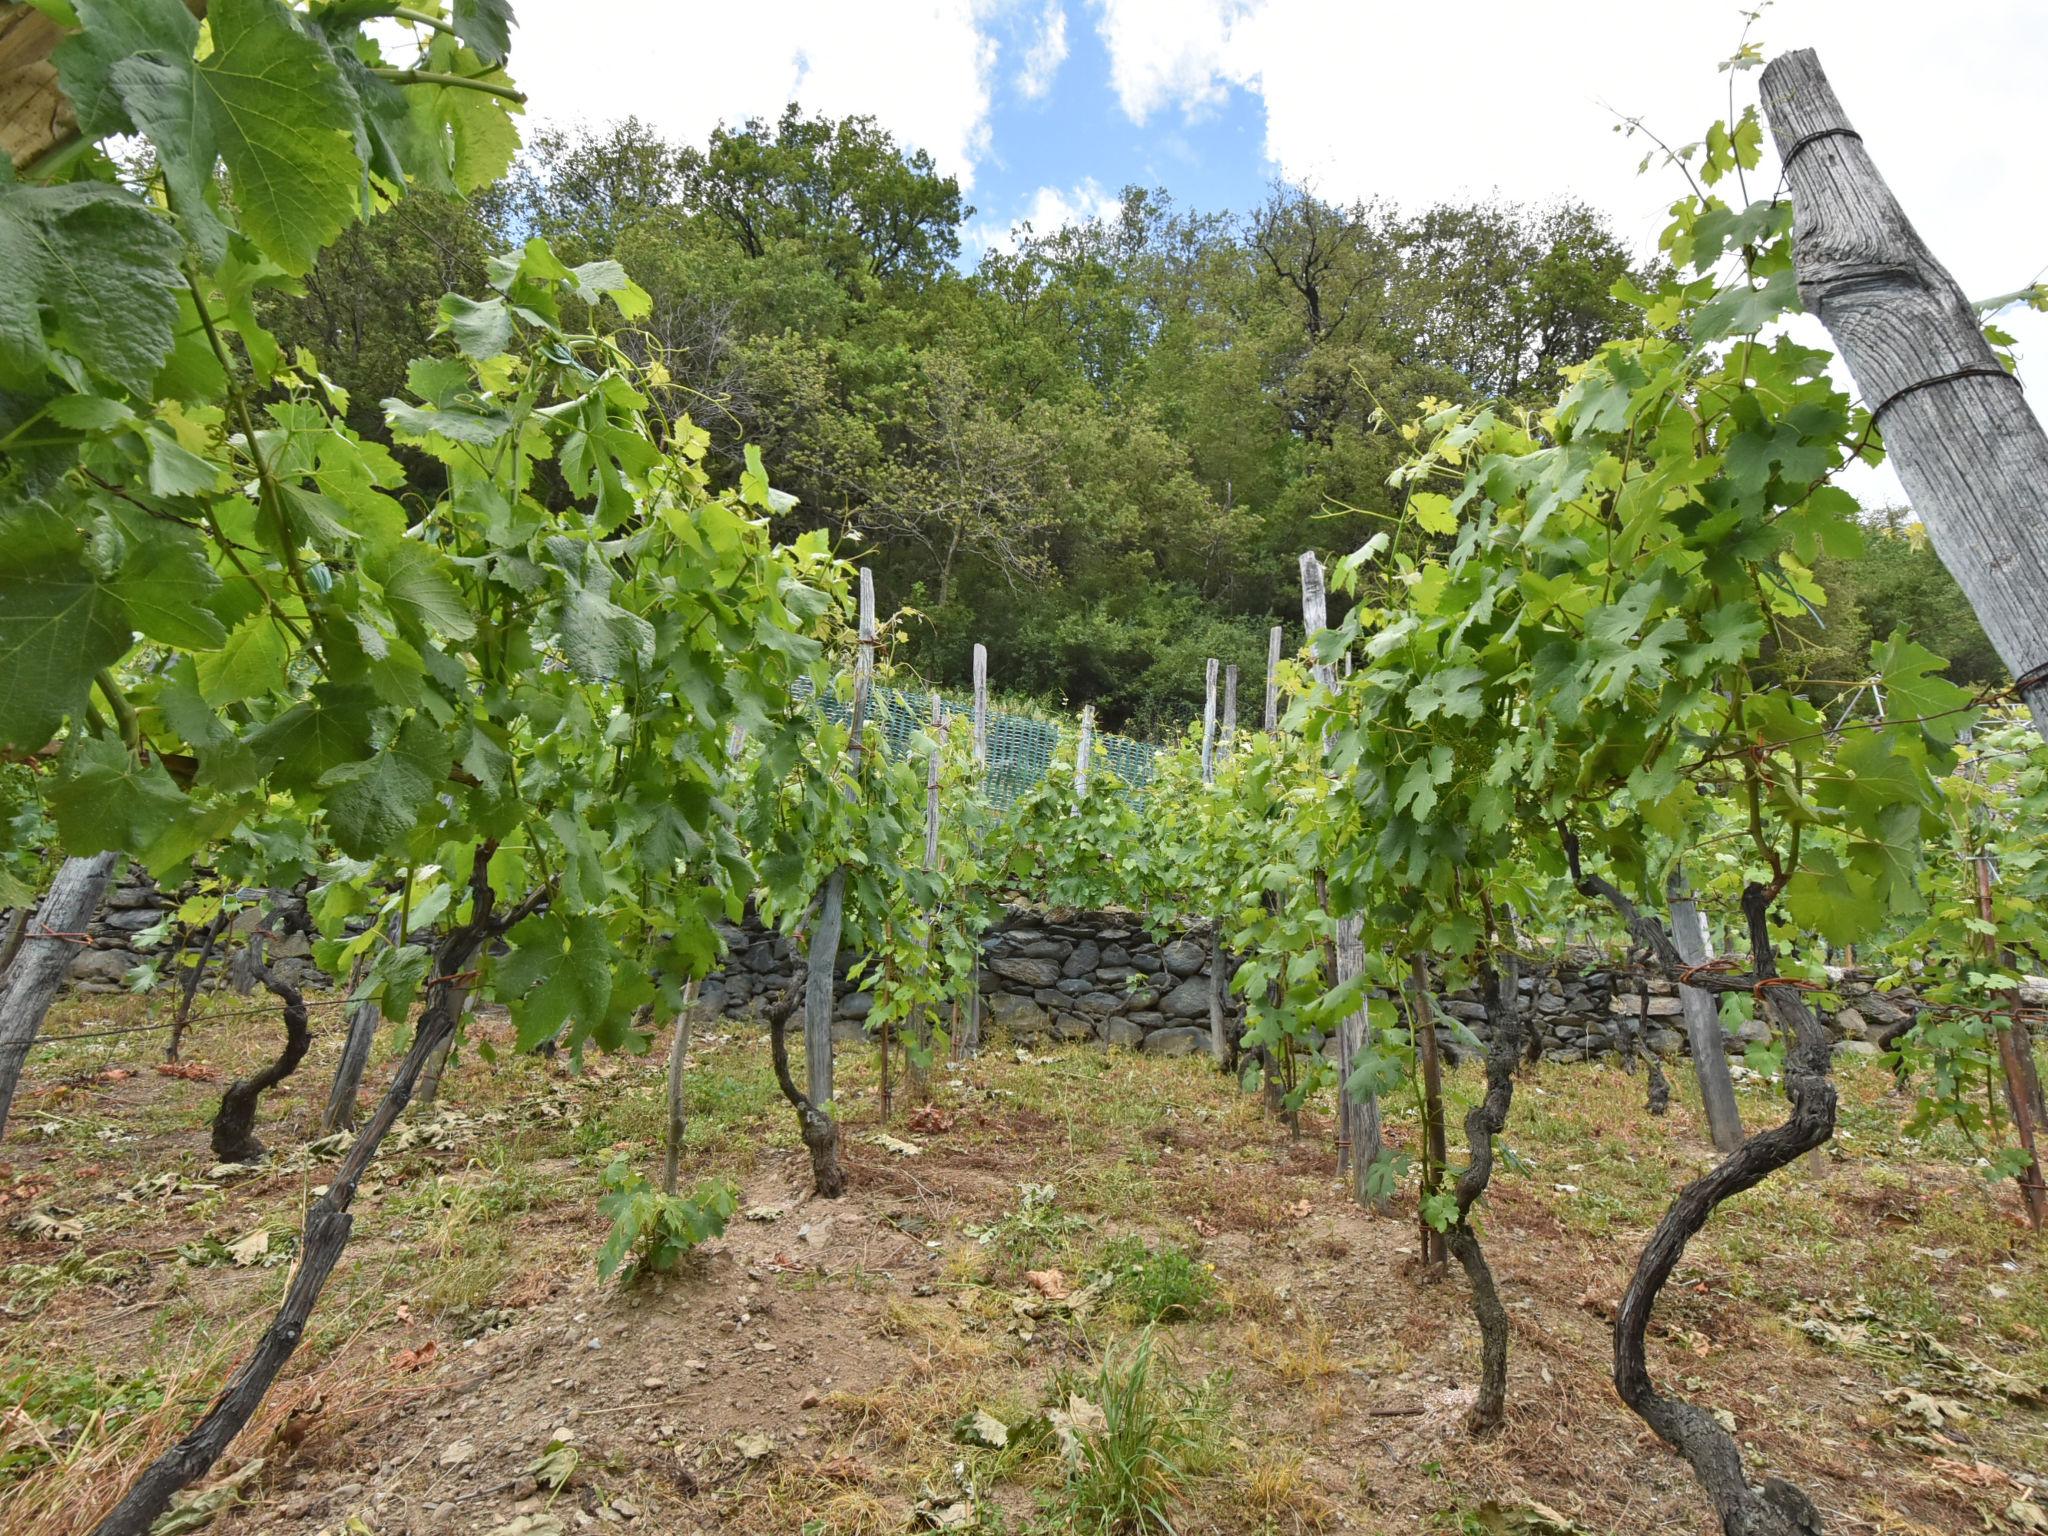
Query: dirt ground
1874,1325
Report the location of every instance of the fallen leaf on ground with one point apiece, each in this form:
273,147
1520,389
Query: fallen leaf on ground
413,1359
896,1144
190,1071
984,1429
250,1249
930,1120
1049,1283
754,1445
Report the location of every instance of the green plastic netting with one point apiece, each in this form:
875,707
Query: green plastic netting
1020,747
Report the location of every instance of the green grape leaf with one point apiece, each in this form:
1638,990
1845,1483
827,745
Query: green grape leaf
103,797
373,805
270,103
251,661
420,587
90,271
486,27
60,622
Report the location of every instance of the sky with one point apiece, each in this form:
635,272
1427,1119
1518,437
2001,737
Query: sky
1046,109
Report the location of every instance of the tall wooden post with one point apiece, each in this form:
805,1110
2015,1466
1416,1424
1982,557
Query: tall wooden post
1358,1117
1422,1021
823,956
981,704
43,961
1209,724
1972,456
1229,706
931,785
1082,749
1703,1017
1273,678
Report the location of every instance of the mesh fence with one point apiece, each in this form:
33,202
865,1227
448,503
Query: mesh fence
1020,747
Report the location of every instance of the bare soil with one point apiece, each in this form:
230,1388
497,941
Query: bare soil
1875,1327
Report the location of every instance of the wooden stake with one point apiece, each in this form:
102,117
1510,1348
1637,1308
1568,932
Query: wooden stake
1229,706
44,960
1972,456
678,1112
1273,678
981,705
1082,749
1703,1018
1209,723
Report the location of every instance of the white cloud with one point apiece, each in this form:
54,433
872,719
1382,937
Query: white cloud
924,68
1047,51
1048,209
1182,52
1417,104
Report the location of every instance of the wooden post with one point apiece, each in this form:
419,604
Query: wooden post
1209,723
363,1019
1703,1018
1358,1119
823,956
931,786
981,705
43,961
1422,1020
1082,748
1315,613
1972,456
1229,706
1273,678
678,1113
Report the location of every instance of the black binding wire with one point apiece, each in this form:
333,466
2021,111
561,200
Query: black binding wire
1973,371
1799,144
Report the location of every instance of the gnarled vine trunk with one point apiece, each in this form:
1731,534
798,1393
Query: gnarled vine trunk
234,1127
1483,1122
819,1130
328,1223
1774,1507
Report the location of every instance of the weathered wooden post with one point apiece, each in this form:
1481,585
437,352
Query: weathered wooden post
1273,678
1703,1018
1358,1117
1972,456
823,955
1209,725
1229,706
981,704
1082,749
678,1111
43,961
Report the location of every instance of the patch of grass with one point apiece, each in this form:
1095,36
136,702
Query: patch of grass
1166,1284
1029,1235
1135,1440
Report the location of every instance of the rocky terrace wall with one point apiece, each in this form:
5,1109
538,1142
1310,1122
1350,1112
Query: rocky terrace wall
1083,975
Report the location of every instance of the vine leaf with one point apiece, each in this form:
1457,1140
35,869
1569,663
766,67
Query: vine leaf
90,268
60,622
269,102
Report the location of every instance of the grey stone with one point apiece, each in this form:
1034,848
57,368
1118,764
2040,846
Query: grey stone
1184,957
1628,1004
1189,1000
1100,1002
1086,956
1021,935
1183,1041
134,896
855,1005
132,920
1849,1022
1067,1027
1026,971
1113,975
107,965
1122,1032
1471,1013
1146,1020
1074,986
1665,1042
1020,1017
1857,1048
761,959
1115,954
1142,999
1045,949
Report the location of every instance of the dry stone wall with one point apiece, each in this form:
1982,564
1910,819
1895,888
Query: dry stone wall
1063,975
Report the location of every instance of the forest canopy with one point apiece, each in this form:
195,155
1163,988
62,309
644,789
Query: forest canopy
1098,449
